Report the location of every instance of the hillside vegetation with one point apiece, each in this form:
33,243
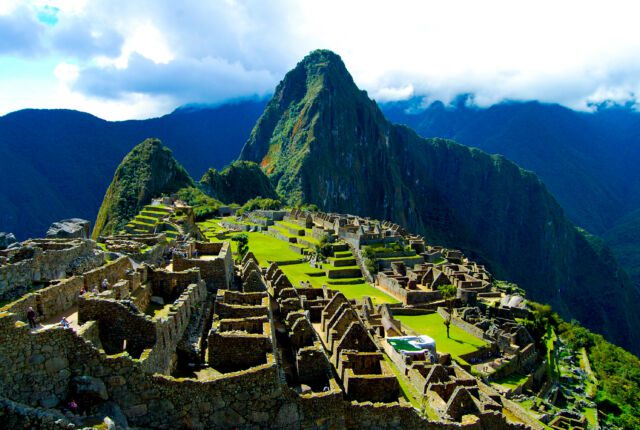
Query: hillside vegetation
148,171
238,183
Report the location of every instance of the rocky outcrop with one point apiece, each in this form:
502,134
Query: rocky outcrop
70,228
6,240
323,141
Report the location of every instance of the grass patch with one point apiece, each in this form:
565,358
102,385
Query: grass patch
512,381
267,248
432,325
360,290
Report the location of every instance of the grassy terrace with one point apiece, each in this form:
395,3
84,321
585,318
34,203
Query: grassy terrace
432,325
291,225
512,381
267,248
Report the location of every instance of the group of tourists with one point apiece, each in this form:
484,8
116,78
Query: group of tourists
104,286
32,316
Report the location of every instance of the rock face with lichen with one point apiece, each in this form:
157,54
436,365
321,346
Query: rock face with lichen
148,171
69,229
321,140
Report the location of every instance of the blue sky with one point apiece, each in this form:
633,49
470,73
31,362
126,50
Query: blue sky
122,59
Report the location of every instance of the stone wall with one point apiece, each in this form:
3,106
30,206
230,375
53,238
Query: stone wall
236,350
171,327
14,415
407,297
113,272
257,398
50,301
117,325
49,264
469,328
217,273
170,284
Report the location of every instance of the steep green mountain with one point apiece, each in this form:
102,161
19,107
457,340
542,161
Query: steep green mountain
624,240
146,172
589,160
237,183
321,140
56,164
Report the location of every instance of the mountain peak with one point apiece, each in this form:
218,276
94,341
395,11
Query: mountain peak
146,172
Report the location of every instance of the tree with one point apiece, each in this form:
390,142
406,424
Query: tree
243,244
448,294
323,248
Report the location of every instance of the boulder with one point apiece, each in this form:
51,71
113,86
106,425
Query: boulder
89,389
70,228
6,240
112,412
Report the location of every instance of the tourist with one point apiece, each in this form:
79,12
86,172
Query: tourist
64,323
83,291
72,406
31,316
95,290
105,284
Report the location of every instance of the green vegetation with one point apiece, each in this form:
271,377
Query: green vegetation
323,248
150,220
260,203
238,183
242,246
512,381
148,171
617,372
458,343
509,287
268,249
204,207
448,294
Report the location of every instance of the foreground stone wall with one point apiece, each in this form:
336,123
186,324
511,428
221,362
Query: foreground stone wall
47,264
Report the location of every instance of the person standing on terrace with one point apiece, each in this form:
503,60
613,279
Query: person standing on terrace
31,317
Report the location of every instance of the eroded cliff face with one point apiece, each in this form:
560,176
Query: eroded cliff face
148,171
321,140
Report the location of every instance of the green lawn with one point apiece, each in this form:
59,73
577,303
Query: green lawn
290,225
512,381
360,290
432,325
267,248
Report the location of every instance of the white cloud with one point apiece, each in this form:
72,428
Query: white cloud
136,58
66,73
394,93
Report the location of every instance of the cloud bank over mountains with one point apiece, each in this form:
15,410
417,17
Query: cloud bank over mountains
121,59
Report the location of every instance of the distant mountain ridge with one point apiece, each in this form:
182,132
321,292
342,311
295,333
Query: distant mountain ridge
57,164
589,161
323,141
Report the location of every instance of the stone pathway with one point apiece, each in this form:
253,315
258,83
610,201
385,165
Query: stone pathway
71,315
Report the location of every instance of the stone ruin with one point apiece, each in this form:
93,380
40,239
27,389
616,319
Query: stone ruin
188,339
